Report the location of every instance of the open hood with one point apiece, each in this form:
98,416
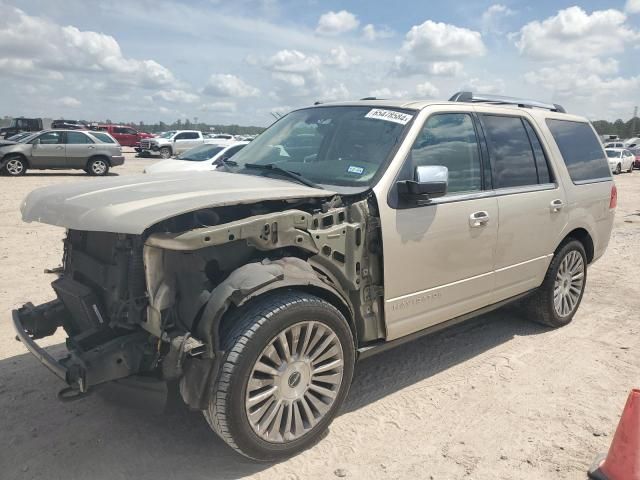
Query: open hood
132,204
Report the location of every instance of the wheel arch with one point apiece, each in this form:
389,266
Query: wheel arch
584,237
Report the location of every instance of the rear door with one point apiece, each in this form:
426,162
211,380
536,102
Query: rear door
532,204
79,148
48,150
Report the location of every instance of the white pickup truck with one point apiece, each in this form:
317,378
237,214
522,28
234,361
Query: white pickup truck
171,143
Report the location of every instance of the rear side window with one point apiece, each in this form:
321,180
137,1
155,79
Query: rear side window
580,149
541,160
103,137
511,153
74,138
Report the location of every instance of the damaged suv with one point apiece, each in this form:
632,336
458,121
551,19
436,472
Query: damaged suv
257,286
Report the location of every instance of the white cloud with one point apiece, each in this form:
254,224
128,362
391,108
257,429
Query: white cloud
574,34
221,107
335,93
335,23
632,6
484,85
427,89
68,102
371,33
296,69
227,85
493,16
386,92
431,41
68,49
175,96
445,69
340,58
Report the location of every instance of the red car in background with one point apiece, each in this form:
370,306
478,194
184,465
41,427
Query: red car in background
126,136
636,152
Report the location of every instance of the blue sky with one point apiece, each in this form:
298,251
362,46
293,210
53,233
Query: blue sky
236,62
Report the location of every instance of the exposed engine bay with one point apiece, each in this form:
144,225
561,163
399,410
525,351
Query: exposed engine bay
155,304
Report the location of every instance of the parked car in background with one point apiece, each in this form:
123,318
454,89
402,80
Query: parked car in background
69,125
257,286
632,142
620,160
636,152
614,145
207,156
61,149
19,125
171,143
126,136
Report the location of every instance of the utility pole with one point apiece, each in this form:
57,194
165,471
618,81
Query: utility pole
633,122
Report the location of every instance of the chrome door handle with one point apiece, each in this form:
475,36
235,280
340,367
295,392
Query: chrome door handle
59,148
91,147
478,219
556,205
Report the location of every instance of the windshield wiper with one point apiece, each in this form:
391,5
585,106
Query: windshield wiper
270,167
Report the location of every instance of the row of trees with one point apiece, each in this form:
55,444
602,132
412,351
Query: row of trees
187,124
628,129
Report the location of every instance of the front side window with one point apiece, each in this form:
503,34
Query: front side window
449,139
580,149
50,138
512,160
74,138
354,143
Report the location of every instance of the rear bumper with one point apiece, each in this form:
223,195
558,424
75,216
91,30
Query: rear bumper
117,160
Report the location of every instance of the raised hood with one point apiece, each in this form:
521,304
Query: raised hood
132,204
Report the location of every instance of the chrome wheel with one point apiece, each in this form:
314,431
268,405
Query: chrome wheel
15,167
99,167
165,153
569,283
294,382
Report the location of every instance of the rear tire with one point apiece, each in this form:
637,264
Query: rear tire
286,371
16,166
618,170
97,167
557,300
630,168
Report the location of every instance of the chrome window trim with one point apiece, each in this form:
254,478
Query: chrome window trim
500,192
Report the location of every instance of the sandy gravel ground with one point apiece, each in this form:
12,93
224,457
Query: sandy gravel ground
494,398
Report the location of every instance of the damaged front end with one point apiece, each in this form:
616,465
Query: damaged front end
155,304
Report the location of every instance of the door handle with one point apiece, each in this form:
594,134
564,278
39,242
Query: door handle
478,219
556,205
91,147
59,148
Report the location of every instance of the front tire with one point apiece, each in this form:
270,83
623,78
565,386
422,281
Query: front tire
165,152
97,167
618,170
557,300
16,166
286,372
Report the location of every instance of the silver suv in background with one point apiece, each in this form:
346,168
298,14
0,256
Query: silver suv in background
171,143
93,152
258,285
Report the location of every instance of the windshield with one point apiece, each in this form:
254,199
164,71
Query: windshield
341,146
613,154
167,134
201,153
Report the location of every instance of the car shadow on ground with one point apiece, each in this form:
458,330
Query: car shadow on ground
98,438
79,173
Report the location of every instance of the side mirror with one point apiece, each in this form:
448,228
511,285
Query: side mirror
430,181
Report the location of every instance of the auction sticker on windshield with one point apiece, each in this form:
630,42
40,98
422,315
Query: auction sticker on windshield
389,116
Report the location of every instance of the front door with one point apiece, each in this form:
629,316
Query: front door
438,257
79,148
48,151
186,140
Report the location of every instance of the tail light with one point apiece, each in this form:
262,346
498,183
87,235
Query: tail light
613,200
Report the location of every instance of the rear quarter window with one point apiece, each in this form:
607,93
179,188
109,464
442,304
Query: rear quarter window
580,149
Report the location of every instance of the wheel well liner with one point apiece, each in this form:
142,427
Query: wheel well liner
583,237
4,159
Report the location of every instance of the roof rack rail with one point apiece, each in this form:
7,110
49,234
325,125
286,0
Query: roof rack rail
369,98
471,97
